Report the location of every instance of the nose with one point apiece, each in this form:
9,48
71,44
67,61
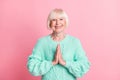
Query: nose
57,22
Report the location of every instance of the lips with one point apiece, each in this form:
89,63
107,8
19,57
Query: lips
58,27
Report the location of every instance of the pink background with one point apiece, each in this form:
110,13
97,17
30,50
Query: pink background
95,22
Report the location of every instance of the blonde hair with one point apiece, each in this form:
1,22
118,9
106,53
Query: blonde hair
54,13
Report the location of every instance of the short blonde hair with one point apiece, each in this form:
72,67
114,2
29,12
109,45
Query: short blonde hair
54,13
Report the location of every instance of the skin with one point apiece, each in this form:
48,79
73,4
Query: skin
58,57
58,26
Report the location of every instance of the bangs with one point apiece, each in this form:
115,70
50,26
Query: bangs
57,14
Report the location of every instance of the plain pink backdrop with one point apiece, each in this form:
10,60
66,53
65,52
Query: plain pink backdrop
95,22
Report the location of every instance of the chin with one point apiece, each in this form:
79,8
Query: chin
59,31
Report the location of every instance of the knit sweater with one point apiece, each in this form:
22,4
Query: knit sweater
40,61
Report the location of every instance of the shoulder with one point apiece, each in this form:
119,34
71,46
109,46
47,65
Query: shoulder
42,40
74,39
76,42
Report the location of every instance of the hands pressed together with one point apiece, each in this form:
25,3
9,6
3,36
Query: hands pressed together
58,57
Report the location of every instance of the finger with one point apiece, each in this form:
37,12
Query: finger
59,45
60,55
58,48
57,55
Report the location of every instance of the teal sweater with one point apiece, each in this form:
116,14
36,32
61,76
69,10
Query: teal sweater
40,61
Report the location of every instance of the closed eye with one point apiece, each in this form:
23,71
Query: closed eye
61,19
53,19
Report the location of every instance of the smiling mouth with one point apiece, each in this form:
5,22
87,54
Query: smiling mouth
58,27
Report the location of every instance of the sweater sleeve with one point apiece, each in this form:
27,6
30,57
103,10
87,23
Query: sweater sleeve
36,64
80,65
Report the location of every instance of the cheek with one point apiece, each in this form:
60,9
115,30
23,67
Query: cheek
64,22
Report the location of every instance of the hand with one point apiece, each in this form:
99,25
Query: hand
55,61
60,59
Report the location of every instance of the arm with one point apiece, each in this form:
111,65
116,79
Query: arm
80,65
37,65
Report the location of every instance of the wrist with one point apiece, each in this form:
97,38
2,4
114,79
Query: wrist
53,63
64,63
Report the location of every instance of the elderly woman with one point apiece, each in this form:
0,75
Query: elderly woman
58,56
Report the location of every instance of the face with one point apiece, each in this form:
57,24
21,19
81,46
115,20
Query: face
58,24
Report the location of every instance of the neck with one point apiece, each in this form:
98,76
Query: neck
58,36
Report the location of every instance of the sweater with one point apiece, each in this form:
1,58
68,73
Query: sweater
40,61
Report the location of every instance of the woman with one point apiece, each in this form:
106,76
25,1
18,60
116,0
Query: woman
58,56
